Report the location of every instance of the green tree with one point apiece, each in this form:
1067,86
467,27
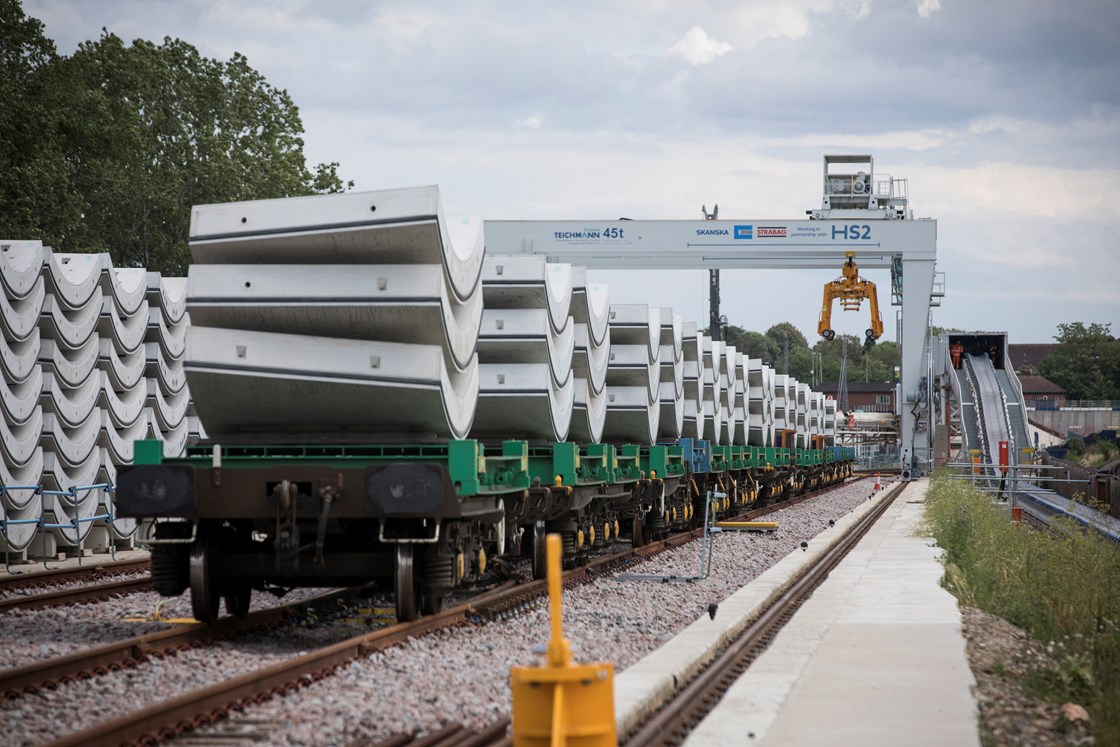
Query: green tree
1085,362
752,344
780,331
127,138
34,174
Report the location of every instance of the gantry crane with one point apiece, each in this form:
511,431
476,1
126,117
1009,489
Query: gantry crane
851,289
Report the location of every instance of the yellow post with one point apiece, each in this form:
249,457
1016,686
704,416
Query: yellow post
562,704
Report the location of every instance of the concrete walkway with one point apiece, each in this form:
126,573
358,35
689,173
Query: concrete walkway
875,657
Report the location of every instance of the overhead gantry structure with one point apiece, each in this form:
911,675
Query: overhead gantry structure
859,214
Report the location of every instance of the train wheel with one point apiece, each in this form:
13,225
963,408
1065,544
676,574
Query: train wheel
205,596
237,599
540,551
406,584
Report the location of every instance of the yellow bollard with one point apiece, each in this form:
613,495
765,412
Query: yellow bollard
561,704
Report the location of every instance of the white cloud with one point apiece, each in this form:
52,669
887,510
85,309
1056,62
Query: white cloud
699,48
927,8
532,122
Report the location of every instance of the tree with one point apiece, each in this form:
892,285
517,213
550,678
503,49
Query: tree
780,331
34,181
751,344
1085,362
130,137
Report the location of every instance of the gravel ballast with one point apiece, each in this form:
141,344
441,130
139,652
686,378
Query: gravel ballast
457,675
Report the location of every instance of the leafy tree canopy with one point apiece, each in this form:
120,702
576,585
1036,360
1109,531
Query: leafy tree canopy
1086,362
108,149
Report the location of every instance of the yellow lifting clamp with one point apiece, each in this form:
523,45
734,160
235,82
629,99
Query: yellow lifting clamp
851,289
561,704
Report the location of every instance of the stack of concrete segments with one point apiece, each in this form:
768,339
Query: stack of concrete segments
165,343
338,314
633,375
693,381
713,390
591,315
816,416
21,384
770,388
742,418
525,350
671,384
803,397
73,416
730,416
755,410
783,414
828,426
125,417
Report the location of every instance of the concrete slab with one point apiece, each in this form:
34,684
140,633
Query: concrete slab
631,417
522,400
392,303
265,383
671,420
875,657
387,227
21,266
19,317
589,412
590,358
590,304
516,336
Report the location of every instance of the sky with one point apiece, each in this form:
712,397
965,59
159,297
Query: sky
1003,115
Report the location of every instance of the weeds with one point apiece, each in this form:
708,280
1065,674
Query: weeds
1061,587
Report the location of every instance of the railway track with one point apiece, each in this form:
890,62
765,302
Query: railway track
677,717
77,595
56,576
205,705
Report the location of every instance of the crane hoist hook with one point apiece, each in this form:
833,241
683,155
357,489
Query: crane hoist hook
851,289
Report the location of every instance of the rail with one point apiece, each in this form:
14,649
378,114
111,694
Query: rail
204,705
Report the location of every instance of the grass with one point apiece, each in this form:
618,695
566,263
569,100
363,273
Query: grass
1062,588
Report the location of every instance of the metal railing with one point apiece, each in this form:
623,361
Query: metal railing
1073,404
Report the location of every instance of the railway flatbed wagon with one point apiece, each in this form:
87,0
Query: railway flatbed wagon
233,518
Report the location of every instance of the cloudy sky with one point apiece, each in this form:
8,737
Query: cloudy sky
1004,115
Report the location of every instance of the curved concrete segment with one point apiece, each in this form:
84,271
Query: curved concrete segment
591,304
631,416
392,303
128,331
19,316
522,400
713,390
513,336
21,266
590,360
81,504
75,279
671,420
170,336
589,413
73,405
71,327
629,365
169,295
730,414
19,359
254,383
388,227
636,324
528,282
125,369
126,288
692,380
20,399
